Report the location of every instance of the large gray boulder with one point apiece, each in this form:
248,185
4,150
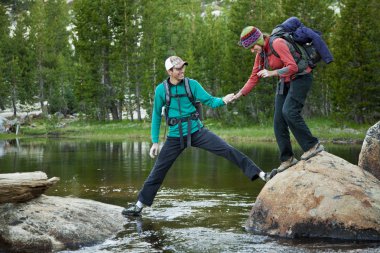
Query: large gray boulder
323,197
369,158
49,223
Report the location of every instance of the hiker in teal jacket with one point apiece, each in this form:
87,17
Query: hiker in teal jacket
185,130
186,110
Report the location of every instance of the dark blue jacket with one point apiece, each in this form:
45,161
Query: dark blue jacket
303,34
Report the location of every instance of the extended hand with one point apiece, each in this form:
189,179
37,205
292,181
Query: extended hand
237,96
154,150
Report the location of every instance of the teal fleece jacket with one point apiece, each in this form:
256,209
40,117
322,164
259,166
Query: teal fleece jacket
187,107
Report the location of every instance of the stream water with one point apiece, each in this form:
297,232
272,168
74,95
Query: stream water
202,206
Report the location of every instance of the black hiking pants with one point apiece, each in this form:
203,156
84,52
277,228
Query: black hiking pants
204,139
287,115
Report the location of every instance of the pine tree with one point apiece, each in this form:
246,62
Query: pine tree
318,15
17,71
95,28
259,103
356,85
4,43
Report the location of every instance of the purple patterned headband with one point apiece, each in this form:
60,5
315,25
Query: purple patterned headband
250,38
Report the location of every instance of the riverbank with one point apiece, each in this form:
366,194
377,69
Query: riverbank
326,130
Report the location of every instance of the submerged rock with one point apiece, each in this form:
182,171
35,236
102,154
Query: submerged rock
369,158
49,223
323,197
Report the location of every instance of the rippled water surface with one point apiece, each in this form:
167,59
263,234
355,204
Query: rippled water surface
202,206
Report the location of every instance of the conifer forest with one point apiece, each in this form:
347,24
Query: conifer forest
104,58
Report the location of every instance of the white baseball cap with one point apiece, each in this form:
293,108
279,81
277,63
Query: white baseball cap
174,61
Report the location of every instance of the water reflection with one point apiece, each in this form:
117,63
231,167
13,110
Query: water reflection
202,207
4,146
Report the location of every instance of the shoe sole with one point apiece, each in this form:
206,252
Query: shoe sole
317,151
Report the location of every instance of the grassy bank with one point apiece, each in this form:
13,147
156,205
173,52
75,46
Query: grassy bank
326,130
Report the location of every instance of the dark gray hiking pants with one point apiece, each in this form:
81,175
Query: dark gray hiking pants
204,139
287,115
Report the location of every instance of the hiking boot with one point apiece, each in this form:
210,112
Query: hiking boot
288,163
132,211
313,151
270,175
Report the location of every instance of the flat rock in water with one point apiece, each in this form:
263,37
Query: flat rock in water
50,223
323,197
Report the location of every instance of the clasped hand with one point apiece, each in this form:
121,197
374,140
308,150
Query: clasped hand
228,98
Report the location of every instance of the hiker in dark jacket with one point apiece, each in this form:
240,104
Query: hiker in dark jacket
290,96
185,130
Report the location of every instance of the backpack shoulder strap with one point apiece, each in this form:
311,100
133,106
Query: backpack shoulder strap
280,32
188,91
167,100
271,39
167,93
293,46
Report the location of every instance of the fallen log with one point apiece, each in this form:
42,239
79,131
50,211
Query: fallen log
21,187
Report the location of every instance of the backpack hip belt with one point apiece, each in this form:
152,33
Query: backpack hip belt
175,121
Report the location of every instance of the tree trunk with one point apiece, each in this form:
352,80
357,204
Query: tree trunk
14,103
138,106
42,87
21,187
120,108
106,81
